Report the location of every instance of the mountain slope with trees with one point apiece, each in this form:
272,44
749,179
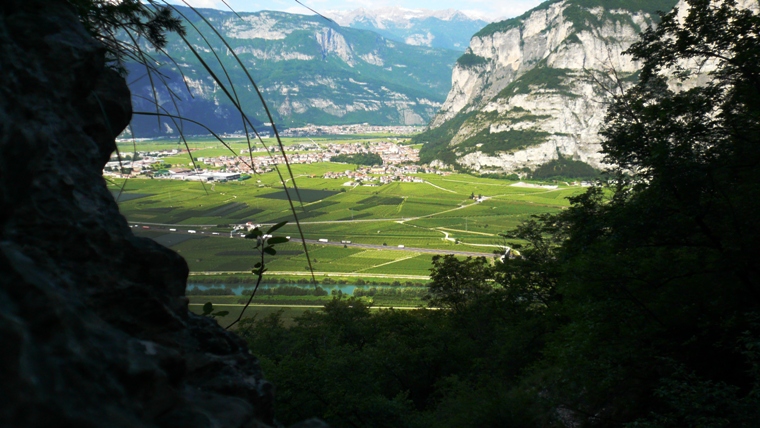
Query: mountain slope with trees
310,70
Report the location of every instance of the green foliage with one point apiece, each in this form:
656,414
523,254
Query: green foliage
455,283
408,292
576,12
105,20
659,283
265,242
286,290
563,168
647,6
505,141
208,311
502,176
213,291
539,77
637,306
436,141
503,26
470,60
368,159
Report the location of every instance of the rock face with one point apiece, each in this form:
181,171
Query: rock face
536,87
94,322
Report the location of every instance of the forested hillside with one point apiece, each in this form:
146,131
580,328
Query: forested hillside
310,70
639,306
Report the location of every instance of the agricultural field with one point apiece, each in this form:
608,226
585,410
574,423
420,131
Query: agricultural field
288,311
436,214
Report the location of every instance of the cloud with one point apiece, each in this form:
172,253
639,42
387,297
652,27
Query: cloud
488,10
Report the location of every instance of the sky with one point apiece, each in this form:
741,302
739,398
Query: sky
490,10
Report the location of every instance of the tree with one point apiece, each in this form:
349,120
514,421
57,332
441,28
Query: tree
456,282
149,20
658,280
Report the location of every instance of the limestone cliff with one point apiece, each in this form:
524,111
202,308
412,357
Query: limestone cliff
94,323
535,87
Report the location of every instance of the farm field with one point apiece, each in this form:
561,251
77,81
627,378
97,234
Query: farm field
260,311
437,214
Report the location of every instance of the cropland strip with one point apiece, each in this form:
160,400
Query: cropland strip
318,274
307,195
295,303
171,239
126,196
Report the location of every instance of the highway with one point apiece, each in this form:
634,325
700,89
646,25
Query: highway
412,249
182,229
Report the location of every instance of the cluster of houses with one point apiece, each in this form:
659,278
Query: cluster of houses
397,163
369,176
314,130
390,152
190,175
129,163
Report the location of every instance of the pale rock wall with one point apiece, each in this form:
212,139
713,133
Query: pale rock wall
332,42
573,116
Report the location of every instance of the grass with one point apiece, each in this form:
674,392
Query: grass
291,309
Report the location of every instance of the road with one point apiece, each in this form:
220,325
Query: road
412,249
180,230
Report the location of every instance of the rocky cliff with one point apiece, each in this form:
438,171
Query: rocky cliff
95,326
534,88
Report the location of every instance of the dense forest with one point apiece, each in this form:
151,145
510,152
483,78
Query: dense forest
638,306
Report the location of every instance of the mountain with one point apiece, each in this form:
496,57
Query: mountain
310,70
447,29
534,89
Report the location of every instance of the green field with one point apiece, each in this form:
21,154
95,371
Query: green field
436,214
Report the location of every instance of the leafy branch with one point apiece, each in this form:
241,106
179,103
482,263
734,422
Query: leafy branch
265,243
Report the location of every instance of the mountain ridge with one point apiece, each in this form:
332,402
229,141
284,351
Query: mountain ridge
310,70
448,29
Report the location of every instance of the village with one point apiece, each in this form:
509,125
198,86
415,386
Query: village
398,163
364,128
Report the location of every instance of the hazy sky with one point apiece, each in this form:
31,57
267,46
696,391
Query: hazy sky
487,9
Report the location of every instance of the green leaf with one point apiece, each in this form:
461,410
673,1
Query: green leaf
221,313
208,308
257,265
278,240
269,250
276,226
255,233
